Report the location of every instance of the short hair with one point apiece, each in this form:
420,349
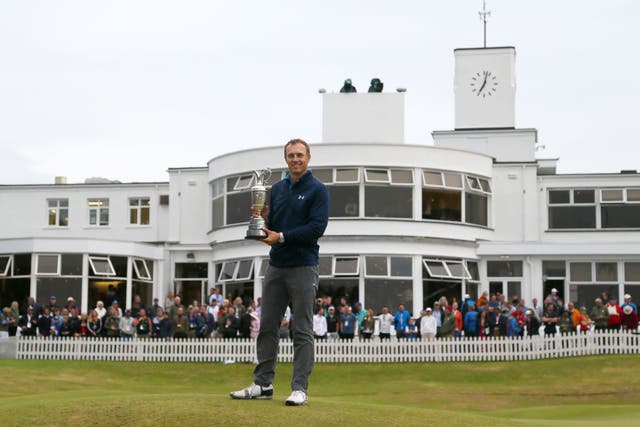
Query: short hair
297,141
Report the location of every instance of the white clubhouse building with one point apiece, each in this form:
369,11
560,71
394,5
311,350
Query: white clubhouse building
476,211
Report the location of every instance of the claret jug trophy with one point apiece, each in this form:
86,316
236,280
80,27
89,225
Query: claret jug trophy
258,200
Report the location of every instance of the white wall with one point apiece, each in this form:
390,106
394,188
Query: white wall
189,207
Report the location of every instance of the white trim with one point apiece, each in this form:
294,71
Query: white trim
7,268
57,273
109,265
146,276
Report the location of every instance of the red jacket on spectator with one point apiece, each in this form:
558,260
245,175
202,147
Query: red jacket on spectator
629,321
615,313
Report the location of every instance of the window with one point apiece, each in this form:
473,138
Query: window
554,269
572,209
5,265
141,269
388,193
139,210
325,267
343,185
632,271
346,266
102,266
446,269
48,264
580,271
264,263
98,212
243,182
442,197
504,268
58,211
241,270
476,209
387,266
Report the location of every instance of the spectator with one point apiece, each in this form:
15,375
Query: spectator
4,322
44,323
565,323
484,299
554,298
168,302
386,322
411,330
137,306
599,315
75,323
448,328
629,318
320,324
71,303
155,307
493,315
56,322
332,323
179,322
513,329
100,309
458,316
359,312
258,306
348,323
368,324
401,320
574,314
28,323
428,325
215,295
173,308
13,319
112,323
238,307
116,307
470,321
627,302
94,324
614,312
31,302
65,329
483,324
53,304
143,324
531,323
437,313
164,326
244,329
550,320
503,322
584,321
537,309
127,328
229,325
254,329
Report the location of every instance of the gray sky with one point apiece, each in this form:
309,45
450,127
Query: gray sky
126,89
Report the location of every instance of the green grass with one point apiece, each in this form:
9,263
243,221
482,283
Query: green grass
587,391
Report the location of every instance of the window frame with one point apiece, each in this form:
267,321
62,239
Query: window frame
445,264
136,269
139,207
101,258
7,270
58,269
57,209
98,210
345,257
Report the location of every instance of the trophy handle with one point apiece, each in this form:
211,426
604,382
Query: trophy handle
262,176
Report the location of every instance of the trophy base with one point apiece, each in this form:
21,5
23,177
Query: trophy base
255,235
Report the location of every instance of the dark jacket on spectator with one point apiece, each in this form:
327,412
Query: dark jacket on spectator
44,325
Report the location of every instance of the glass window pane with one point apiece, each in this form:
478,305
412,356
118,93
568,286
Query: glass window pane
561,217
388,202
144,216
14,289
632,272
337,288
101,266
514,290
436,269
71,265
245,269
344,201
400,176
443,205
347,175
554,268
495,288
145,290
453,180
93,217
559,196
52,203
504,268
611,195
620,216
52,216
133,216
633,195
4,265
217,187
21,264
580,271
63,218
473,183
325,267
238,207
263,267
243,182
346,266
583,196
401,266
323,175
486,187
61,287
634,291
457,270
48,264
217,212
476,209
432,178
104,216
64,203
228,270
134,202
472,266
276,175
191,270
376,266
140,269
377,175
472,290
107,290
585,295
606,271
389,292
432,290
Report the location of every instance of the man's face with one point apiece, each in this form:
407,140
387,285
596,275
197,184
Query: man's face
297,159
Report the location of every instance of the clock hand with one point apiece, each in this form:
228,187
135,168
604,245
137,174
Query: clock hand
483,85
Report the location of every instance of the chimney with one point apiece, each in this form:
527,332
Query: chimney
60,180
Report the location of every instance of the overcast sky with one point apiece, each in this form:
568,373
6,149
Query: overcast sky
126,89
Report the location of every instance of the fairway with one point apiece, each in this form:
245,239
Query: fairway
588,391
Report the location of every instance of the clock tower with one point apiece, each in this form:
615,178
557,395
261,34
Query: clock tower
485,88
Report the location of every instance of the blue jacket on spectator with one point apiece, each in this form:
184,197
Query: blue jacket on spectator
513,329
470,322
401,320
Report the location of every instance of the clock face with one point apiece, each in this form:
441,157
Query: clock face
484,84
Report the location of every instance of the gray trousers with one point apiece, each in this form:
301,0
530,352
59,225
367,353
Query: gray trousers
296,287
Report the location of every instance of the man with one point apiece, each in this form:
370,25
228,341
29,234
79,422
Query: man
599,315
386,321
401,320
28,323
348,322
428,325
127,328
297,216
627,302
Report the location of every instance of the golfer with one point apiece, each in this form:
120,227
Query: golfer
297,216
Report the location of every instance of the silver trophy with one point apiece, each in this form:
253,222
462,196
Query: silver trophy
258,199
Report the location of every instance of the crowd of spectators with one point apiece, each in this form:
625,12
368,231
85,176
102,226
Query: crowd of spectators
230,318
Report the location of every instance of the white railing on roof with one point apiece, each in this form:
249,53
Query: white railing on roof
356,351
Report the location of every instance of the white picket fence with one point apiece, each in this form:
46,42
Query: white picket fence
357,351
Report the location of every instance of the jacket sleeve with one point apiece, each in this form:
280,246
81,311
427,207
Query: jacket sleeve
318,220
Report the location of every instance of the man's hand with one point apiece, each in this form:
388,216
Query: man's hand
272,236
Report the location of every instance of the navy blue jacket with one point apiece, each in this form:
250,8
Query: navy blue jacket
301,212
